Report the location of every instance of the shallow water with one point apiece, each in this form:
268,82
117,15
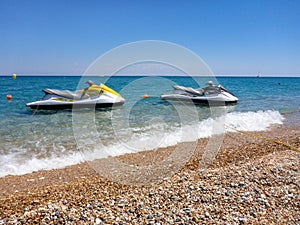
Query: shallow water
34,140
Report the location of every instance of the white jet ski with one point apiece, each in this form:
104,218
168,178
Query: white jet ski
212,95
95,96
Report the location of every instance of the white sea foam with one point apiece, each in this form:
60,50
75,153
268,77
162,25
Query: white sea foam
253,121
16,164
12,164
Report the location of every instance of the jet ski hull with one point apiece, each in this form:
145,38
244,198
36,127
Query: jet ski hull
198,100
73,106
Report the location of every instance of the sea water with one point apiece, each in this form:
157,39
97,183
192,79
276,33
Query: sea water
36,140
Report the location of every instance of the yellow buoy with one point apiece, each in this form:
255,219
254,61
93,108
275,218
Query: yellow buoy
8,97
14,76
145,96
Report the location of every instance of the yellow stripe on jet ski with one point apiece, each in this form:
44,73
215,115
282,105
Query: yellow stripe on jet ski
63,99
95,90
105,88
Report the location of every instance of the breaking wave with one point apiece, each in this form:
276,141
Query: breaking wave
155,136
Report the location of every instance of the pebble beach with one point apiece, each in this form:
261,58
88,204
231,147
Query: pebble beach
251,181
158,112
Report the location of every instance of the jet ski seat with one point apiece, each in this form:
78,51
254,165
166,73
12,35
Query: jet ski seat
197,92
77,95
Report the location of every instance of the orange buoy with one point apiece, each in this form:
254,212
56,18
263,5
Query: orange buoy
8,97
145,96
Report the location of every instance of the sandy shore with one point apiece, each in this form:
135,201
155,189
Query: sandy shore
251,181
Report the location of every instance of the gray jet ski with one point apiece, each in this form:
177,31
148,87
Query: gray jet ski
215,95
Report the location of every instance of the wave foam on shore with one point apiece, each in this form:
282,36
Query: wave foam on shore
18,164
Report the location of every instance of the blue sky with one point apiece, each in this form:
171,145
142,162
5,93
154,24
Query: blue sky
232,37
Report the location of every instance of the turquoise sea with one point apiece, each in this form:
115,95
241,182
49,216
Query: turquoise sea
35,140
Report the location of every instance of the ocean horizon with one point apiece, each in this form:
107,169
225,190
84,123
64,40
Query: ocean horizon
156,75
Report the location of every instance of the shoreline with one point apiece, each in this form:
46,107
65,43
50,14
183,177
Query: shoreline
70,173
263,174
